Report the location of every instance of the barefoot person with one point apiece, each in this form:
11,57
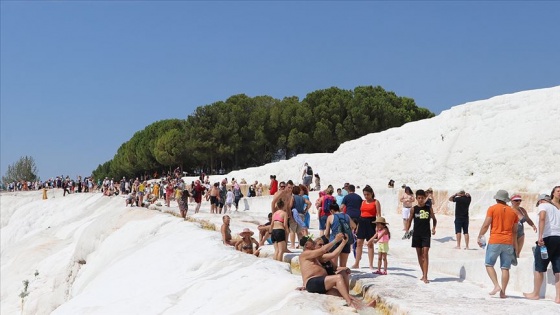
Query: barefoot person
502,221
370,210
549,237
315,277
279,230
523,217
462,202
421,237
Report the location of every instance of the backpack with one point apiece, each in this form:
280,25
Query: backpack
327,201
344,227
309,170
299,204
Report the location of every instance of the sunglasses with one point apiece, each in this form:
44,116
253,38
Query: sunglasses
516,200
282,186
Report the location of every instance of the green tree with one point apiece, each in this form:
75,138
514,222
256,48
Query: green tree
23,169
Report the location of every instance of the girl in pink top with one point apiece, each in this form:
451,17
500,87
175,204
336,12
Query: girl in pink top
381,237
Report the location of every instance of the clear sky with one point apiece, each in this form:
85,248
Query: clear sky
78,79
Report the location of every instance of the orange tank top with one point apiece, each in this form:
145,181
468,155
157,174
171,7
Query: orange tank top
368,210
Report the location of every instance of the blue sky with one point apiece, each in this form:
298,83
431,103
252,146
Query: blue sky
78,79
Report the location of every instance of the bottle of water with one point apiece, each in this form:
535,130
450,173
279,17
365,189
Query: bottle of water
544,252
483,242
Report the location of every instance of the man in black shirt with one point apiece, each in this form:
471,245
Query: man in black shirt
462,202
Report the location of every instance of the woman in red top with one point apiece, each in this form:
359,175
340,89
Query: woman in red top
273,185
370,210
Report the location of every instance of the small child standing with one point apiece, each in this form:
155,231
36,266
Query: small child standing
381,237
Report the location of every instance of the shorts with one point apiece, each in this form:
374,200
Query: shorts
366,228
307,219
214,200
383,248
552,244
504,251
421,241
462,223
316,285
345,249
307,180
323,222
278,235
405,213
294,227
220,204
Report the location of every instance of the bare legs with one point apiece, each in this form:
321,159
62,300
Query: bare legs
359,250
423,261
520,241
341,285
494,277
382,257
466,241
458,237
538,278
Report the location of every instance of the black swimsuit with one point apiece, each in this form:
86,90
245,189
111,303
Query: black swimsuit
316,285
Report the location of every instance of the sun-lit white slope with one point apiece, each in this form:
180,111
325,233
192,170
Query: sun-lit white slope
505,142
94,256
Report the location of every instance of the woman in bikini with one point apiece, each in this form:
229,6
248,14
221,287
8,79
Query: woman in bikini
246,243
523,217
279,230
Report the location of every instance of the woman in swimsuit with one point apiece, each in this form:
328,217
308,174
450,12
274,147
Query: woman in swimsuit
246,243
523,217
279,230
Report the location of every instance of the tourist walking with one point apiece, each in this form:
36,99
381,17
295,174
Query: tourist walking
502,221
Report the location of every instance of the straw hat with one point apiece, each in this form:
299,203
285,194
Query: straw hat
246,231
381,220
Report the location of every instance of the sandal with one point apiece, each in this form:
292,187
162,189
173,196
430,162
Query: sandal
378,272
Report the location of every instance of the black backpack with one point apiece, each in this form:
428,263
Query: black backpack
309,170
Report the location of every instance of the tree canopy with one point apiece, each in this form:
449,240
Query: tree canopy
242,132
23,169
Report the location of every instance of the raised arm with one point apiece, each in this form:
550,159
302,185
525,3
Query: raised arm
337,251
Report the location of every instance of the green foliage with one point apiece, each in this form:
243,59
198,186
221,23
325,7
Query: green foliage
242,131
23,169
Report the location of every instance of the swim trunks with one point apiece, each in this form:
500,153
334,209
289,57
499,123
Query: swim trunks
316,285
278,235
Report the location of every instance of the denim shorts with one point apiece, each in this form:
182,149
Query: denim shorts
323,222
505,252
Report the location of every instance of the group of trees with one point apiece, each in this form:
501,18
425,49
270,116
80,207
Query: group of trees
243,131
23,169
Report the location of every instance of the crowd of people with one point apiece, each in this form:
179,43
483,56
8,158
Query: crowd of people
347,224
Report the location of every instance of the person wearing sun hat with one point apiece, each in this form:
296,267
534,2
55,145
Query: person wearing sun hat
523,217
381,237
246,243
502,221
549,238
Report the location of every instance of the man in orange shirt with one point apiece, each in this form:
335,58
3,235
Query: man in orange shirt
502,220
